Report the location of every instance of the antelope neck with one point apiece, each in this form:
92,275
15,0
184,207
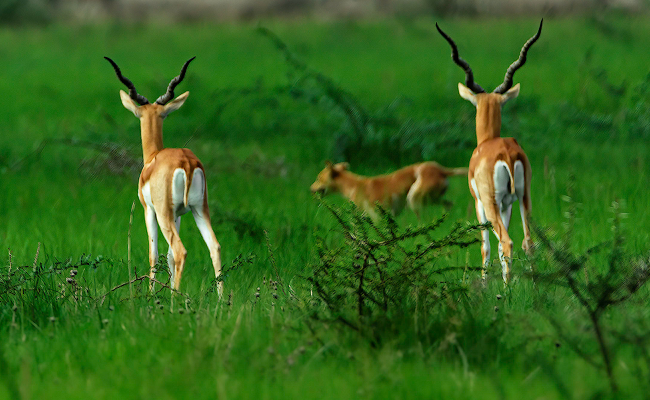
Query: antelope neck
348,183
488,117
151,132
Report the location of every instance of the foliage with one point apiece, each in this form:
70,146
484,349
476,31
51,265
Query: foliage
603,283
262,129
30,11
383,277
41,291
381,134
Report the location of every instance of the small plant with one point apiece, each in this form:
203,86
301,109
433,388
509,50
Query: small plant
380,277
599,283
38,292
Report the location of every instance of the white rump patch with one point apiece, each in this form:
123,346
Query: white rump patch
194,195
178,192
502,185
197,189
520,181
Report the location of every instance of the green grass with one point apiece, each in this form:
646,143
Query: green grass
261,151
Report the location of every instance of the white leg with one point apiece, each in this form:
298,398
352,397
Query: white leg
152,232
170,255
485,234
202,219
414,203
522,211
505,217
503,197
485,237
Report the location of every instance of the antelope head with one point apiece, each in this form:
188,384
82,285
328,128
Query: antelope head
140,106
151,115
488,105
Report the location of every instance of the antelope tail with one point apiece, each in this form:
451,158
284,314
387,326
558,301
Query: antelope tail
188,183
456,171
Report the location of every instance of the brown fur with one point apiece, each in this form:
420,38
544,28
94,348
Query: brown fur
491,147
159,166
414,186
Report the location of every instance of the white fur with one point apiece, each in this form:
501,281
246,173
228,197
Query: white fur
194,195
520,189
503,186
466,93
485,234
510,94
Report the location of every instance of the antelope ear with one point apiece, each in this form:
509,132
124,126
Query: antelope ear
510,94
129,104
174,104
328,164
342,166
466,93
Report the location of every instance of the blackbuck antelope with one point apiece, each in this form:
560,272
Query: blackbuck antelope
172,181
414,185
499,171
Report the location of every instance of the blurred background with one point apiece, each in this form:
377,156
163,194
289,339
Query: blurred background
280,86
232,10
277,88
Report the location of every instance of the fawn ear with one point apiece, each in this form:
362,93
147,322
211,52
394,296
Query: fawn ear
510,94
174,104
342,166
328,164
466,93
129,104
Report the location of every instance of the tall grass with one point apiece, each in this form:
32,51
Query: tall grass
263,130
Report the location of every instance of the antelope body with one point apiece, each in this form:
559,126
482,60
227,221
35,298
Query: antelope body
413,185
172,181
499,170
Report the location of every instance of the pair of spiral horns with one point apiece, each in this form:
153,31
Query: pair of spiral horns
140,99
507,81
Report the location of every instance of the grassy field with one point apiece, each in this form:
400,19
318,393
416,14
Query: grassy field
69,162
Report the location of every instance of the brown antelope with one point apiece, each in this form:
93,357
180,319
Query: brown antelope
172,181
499,171
413,185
